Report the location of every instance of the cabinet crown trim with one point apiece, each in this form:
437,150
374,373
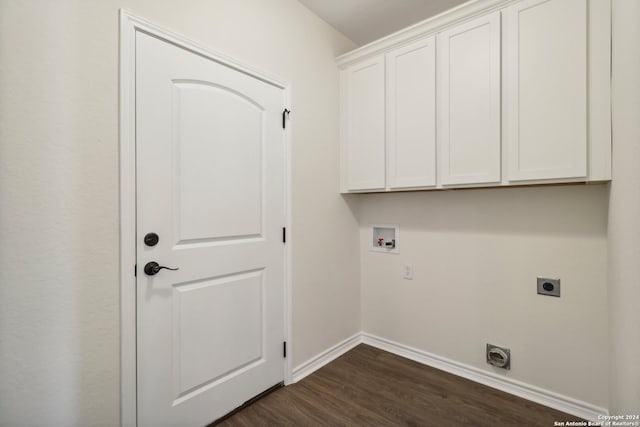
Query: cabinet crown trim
437,23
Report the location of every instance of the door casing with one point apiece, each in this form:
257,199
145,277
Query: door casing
129,25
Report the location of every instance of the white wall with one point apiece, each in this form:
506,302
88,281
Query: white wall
59,299
476,255
624,213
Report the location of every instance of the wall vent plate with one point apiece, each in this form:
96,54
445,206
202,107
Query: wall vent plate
550,287
498,356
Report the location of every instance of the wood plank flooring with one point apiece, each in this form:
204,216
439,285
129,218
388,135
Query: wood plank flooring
370,387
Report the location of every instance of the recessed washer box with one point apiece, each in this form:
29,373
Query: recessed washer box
550,287
385,238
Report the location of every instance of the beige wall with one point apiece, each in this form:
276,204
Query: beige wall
476,255
59,298
624,216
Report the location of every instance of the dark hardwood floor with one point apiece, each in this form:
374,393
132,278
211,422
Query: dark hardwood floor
370,387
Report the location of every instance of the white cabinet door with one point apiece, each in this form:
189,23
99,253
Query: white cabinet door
411,115
365,125
469,102
546,89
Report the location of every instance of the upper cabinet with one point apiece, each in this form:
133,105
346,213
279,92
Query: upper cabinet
492,93
550,86
469,102
411,115
545,89
364,124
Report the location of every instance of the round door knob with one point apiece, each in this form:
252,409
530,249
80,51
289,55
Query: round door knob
152,268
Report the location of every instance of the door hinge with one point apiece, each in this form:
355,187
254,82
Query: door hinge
135,270
284,349
285,114
284,234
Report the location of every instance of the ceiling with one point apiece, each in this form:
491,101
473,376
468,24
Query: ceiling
364,21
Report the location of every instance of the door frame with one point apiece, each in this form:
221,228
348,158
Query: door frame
129,25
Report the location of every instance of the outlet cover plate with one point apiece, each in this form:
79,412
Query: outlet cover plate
407,272
550,287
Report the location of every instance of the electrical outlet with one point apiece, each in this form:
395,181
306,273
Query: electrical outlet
407,272
550,287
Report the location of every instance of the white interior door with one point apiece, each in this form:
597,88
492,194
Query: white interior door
210,184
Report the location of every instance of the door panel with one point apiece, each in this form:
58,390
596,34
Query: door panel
365,125
203,310
411,115
210,183
546,89
211,142
469,102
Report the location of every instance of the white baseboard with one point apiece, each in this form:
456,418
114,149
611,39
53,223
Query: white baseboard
526,391
535,394
317,362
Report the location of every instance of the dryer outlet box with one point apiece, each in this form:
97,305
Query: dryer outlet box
550,287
